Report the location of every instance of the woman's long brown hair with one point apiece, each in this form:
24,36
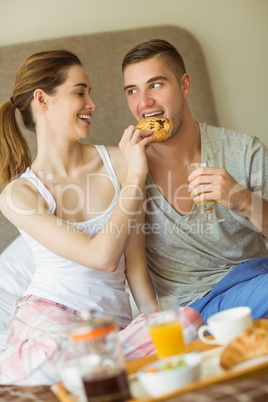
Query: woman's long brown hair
44,70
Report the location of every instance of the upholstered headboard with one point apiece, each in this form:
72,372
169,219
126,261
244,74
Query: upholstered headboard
101,55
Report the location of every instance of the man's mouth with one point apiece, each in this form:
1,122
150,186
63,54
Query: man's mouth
159,114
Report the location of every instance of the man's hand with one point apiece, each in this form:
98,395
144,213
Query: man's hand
210,183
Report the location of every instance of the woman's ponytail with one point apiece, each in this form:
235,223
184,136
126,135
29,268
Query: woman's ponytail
15,154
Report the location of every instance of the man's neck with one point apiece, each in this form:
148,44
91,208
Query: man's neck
182,148
167,165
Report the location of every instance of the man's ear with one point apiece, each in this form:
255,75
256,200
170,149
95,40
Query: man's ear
186,84
40,98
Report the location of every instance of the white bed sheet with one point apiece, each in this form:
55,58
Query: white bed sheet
16,270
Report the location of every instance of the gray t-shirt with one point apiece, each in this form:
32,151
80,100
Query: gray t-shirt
187,258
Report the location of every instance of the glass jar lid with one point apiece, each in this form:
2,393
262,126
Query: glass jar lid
93,328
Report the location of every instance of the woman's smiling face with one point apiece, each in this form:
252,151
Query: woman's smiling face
70,109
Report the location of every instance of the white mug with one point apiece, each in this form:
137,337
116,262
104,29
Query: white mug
226,325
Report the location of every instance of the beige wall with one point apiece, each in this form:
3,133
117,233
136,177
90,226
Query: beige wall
232,33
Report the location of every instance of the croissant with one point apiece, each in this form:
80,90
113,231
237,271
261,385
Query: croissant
162,128
252,342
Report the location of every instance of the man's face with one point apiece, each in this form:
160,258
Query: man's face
153,90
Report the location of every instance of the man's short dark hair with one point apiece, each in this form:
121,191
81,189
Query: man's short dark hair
156,48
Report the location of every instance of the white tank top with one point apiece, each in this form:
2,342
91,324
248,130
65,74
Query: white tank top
74,285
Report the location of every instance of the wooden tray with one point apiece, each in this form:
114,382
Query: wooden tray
211,372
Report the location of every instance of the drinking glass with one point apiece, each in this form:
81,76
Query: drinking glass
165,326
206,208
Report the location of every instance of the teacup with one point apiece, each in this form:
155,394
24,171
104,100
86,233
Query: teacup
226,325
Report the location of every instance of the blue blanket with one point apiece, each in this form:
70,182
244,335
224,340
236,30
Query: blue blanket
245,285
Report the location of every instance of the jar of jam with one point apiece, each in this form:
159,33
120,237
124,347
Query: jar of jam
100,359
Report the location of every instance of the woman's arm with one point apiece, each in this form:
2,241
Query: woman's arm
28,211
137,273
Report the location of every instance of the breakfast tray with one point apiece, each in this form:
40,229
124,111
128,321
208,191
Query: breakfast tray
211,372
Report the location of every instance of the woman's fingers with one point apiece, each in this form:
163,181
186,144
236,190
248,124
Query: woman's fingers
134,135
128,133
139,135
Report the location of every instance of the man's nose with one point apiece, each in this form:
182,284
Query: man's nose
146,99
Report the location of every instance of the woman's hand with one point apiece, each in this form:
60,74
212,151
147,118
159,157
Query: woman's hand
133,145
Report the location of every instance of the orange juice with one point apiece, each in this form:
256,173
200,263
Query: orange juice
207,205
167,338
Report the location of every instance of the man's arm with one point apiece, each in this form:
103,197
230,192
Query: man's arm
256,210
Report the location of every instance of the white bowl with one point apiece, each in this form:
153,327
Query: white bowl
161,382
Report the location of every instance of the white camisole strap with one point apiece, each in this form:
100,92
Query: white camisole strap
31,177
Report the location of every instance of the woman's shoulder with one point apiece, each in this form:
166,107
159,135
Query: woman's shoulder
18,187
19,194
13,187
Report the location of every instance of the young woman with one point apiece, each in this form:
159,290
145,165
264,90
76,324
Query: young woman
76,205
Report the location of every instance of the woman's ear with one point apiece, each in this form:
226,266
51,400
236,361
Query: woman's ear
40,98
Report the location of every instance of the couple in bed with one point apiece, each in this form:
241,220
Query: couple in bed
80,208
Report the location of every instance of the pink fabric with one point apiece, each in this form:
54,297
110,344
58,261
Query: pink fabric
136,339
39,328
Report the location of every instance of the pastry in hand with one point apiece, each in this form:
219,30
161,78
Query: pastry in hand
252,342
161,128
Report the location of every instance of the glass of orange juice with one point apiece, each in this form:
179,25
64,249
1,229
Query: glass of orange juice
206,207
165,326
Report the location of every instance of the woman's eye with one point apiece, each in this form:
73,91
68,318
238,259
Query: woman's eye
80,93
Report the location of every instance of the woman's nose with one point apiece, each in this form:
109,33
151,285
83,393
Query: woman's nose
91,104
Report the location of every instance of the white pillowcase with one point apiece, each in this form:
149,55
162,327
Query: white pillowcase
16,270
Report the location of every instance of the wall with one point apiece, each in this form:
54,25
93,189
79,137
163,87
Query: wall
232,33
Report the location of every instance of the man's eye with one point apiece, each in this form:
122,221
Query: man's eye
132,91
80,93
156,85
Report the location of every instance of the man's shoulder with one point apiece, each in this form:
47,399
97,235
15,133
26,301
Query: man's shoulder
226,134
223,137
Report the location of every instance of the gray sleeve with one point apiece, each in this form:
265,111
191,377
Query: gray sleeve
257,167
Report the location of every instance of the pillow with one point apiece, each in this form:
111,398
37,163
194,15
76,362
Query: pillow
16,270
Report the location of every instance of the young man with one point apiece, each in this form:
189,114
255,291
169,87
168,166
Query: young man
210,267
